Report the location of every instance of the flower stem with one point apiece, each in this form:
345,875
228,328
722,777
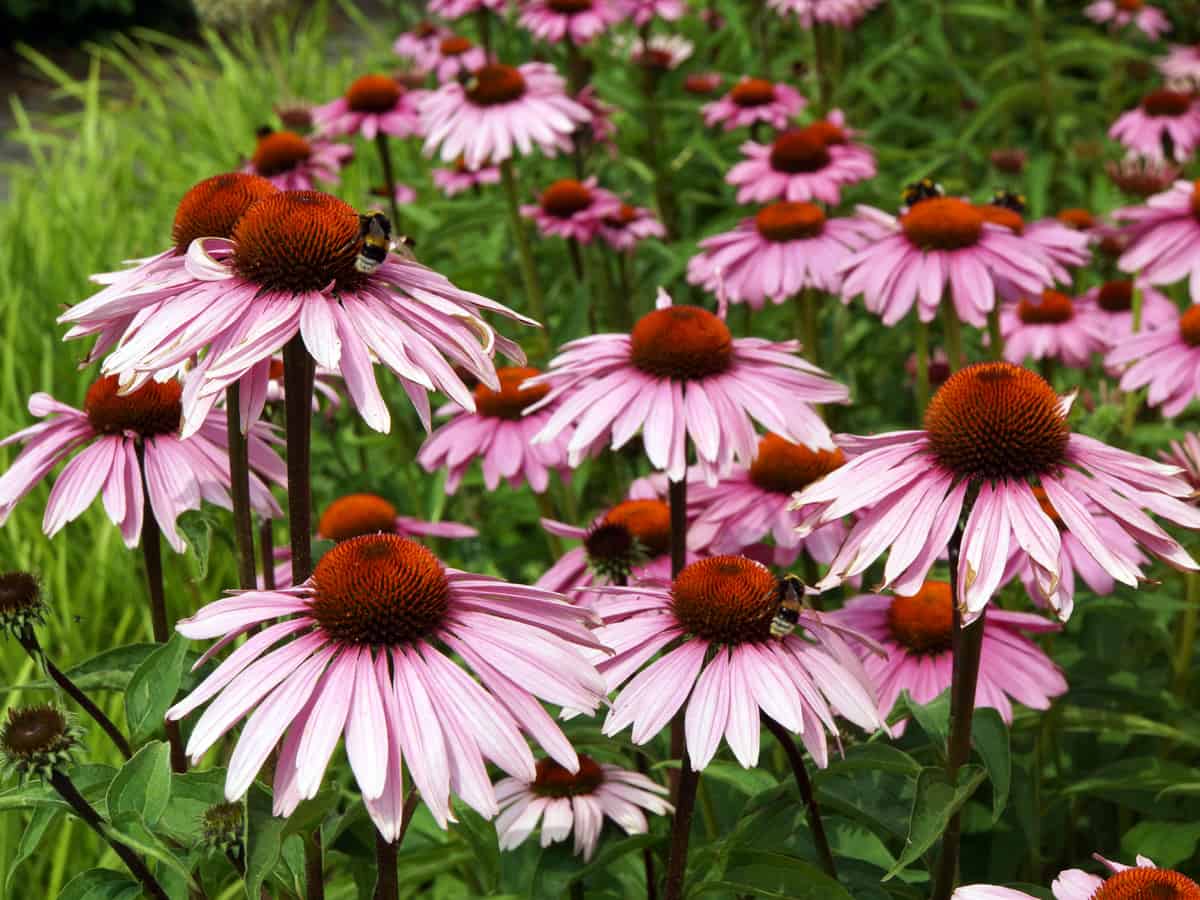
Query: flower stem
815,824
819,70
266,542
533,287
239,476
67,790
483,19
647,854
922,343
152,554
1187,634
1133,400
386,885
677,497
806,325
389,176
664,193
995,338
314,866
681,827
953,336
967,644
32,646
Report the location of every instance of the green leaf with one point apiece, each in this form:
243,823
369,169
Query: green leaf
196,526
989,734
91,781
191,794
311,813
764,874
936,801
143,785
101,884
1167,843
480,836
750,782
153,687
1093,721
264,836
933,717
131,831
43,817
107,671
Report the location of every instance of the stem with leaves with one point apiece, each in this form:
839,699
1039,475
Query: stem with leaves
533,287
239,476
995,338
815,823
389,176
681,827
952,329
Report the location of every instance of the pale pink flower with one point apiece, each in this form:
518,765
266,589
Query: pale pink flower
1142,880
295,163
1052,326
992,428
703,84
1161,116
130,446
1182,64
810,163
373,104
784,249
1142,176
459,178
501,108
1148,19
289,270
372,640
661,53
681,375
420,46
565,802
572,209
600,128
754,100
456,9
498,435
1164,237
644,11
842,13
720,665
940,246
629,226
1112,305
1058,244
1186,455
916,632
577,21
457,56
1165,360
753,503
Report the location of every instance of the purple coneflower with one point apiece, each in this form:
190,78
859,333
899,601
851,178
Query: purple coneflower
373,104
661,53
295,163
1148,19
629,226
1140,882
573,209
499,110
1165,124
1164,237
420,46
579,802
459,178
1186,455
993,428
643,11
785,248
1181,64
712,626
1165,360
753,100
368,651
1112,310
841,13
457,56
456,9
1054,326
1142,176
680,374
131,448
577,21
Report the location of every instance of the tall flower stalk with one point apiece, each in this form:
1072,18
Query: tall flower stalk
239,477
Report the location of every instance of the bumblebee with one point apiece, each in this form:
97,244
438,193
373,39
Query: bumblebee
925,189
789,594
1010,200
375,232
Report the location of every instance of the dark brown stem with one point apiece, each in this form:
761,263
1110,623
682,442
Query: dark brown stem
298,391
314,867
576,259
266,543
648,854
389,177
677,496
815,824
239,477
386,885
681,827
484,19
152,554
30,642
88,814
967,643
410,807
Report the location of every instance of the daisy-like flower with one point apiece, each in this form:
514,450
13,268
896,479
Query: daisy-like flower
1073,559
501,108
939,246
456,9
1123,882
1052,327
1112,305
680,374
355,515
1166,124
1150,20
992,428
420,46
1061,245
629,226
368,652
1181,64
754,100
719,611
599,128
750,504
131,447
577,21
916,632
661,53
1010,160
499,435
784,249
644,11
1186,455
1165,360
632,540
572,209
841,13
457,56
703,84
565,802
1142,176
295,163
209,209
290,269
810,163
373,104
459,178
1164,237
